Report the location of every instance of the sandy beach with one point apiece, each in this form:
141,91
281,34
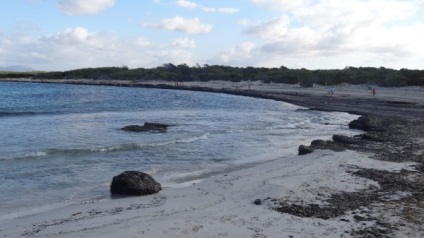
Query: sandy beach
370,185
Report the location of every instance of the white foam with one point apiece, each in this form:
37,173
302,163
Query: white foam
25,156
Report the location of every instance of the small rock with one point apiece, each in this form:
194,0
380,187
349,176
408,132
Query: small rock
258,202
303,150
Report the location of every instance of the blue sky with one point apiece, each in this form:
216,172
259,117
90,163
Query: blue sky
313,34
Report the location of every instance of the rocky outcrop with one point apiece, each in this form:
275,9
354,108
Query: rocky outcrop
134,183
345,139
367,123
318,143
147,127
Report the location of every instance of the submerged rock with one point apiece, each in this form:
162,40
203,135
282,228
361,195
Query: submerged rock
148,126
134,183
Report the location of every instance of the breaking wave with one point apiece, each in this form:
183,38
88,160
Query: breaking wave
105,149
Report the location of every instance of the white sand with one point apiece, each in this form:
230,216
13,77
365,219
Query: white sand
219,206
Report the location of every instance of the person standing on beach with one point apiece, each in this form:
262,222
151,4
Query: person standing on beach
330,91
373,91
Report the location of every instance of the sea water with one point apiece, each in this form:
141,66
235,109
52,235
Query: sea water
63,143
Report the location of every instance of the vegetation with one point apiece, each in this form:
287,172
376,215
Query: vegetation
170,72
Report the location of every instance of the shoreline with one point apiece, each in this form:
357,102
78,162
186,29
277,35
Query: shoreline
372,186
354,99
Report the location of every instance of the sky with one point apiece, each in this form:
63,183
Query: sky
314,34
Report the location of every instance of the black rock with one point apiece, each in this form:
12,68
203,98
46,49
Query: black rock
367,123
303,150
373,137
318,143
154,127
345,139
134,183
258,202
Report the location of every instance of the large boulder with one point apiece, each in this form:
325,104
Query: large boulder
134,183
148,126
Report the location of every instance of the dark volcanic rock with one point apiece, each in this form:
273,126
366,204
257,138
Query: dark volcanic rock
155,127
372,137
367,123
134,183
345,139
318,143
303,150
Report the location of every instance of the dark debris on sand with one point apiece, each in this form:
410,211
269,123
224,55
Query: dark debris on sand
392,139
392,132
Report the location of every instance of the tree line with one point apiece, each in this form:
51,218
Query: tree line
179,73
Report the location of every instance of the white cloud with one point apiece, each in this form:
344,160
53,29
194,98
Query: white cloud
84,7
190,4
186,4
283,5
226,10
331,28
242,52
79,37
70,36
186,25
272,30
184,43
80,48
143,42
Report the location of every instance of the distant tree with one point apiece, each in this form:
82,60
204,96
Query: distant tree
305,78
352,75
394,79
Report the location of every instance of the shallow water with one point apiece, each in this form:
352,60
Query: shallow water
63,143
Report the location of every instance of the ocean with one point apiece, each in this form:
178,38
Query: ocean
63,143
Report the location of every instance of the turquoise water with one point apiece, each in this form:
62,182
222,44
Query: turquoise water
63,143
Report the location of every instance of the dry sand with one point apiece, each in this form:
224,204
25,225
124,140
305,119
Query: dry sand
222,205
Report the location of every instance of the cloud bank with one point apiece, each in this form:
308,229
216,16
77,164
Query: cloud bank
265,33
344,29
84,7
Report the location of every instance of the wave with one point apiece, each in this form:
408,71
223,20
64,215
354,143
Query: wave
13,114
22,114
104,149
